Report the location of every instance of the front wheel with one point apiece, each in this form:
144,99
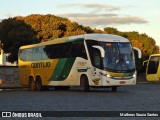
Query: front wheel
57,88
114,89
84,83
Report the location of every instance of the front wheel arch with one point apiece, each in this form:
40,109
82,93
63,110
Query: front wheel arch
84,82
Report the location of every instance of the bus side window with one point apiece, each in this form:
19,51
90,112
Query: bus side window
29,54
22,55
43,53
94,54
78,50
96,57
26,54
66,50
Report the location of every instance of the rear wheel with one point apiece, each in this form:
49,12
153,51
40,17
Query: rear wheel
38,84
84,83
32,85
45,88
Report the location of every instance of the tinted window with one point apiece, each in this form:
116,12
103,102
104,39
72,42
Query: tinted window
94,53
64,50
78,50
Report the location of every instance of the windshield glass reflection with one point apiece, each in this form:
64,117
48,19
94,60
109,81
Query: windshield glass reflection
118,56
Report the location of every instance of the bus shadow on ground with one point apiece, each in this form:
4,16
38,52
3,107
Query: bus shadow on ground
92,90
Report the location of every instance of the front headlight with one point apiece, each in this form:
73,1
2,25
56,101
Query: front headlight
135,74
104,73
108,76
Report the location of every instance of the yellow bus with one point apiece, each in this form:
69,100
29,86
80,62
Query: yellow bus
153,68
88,60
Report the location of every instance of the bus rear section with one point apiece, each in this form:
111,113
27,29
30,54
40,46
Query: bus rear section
153,68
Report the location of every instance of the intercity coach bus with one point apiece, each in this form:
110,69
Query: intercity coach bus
88,60
153,68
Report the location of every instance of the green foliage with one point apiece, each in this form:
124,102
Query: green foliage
13,34
97,31
18,31
51,27
109,30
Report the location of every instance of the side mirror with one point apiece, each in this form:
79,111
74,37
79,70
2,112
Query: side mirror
139,52
145,62
100,49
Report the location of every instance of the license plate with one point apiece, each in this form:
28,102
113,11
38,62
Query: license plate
122,82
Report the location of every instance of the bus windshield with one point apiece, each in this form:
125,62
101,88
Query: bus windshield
153,65
118,56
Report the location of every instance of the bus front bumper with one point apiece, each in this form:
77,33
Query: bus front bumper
106,81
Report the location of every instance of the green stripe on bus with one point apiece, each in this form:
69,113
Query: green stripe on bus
67,68
58,70
62,69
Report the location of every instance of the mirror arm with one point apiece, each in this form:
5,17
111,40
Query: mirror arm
139,52
101,50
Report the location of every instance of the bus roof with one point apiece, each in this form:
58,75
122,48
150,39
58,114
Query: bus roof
97,37
101,37
106,37
155,55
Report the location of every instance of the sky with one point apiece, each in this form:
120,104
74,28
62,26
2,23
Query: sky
142,16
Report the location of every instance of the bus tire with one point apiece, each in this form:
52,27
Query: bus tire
32,85
45,88
38,84
84,83
114,89
58,88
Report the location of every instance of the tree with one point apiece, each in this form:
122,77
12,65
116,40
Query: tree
110,30
13,34
18,31
97,31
